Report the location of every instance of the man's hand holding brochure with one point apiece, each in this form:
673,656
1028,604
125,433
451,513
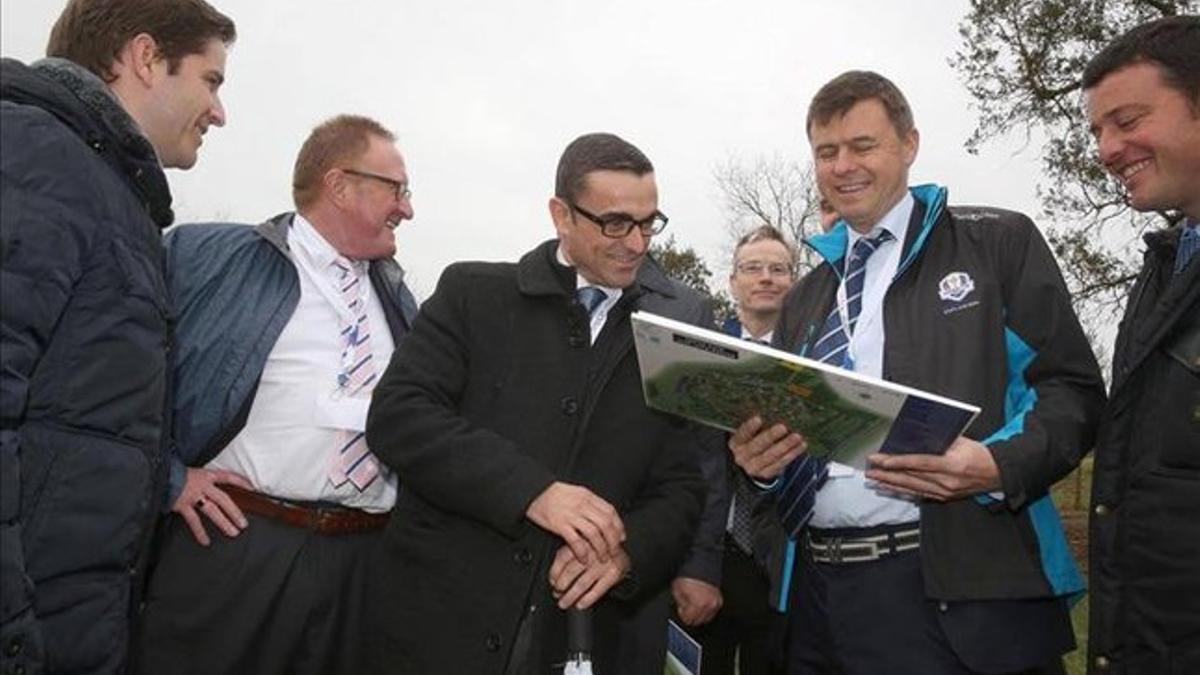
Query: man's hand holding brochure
779,405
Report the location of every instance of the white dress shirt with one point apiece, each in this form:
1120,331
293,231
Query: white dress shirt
847,499
611,296
292,432
764,338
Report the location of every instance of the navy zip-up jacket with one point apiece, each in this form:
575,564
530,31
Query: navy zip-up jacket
234,288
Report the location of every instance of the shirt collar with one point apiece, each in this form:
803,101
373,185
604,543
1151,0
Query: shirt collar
895,222
765,337
580,281
315,246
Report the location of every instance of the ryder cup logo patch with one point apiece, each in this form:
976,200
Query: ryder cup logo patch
955,287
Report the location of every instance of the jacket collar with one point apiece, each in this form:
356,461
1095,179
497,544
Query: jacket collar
1164,242
539,273
275,231
83,103
930,204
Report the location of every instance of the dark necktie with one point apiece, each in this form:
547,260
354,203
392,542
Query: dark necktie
1189,243
741,521
590,297
805,475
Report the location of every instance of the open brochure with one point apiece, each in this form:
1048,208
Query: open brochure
721,381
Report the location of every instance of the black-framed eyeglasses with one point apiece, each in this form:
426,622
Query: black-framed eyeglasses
619,225
401,188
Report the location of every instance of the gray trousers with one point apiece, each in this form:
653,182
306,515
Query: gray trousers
274,599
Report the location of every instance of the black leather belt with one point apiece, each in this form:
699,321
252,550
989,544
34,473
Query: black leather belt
836,547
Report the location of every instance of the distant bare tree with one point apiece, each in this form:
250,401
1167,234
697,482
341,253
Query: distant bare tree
771,190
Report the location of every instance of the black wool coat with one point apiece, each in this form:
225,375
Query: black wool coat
495,394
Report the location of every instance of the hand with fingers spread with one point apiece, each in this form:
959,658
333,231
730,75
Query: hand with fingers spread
202,495
763,452
588,524
696,601
966,469
580,584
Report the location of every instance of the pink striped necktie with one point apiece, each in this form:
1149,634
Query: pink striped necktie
356,378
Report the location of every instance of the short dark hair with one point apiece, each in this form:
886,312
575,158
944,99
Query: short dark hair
92,33
596,152
333,142
764,233
1172,43
841,94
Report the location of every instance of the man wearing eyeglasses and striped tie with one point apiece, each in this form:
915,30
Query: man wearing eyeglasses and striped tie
282,331
951,563
535,478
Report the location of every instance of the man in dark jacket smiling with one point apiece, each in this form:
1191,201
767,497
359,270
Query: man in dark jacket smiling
1143,103
130,89
929,563
530,465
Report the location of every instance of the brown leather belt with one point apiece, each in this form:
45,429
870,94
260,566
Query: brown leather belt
320,519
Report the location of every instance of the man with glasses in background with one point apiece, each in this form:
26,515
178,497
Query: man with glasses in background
282,332
731,604
535,478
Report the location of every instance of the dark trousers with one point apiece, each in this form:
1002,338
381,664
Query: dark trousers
873,617
746,630
274,599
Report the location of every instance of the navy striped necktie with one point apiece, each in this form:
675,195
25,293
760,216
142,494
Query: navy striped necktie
805,475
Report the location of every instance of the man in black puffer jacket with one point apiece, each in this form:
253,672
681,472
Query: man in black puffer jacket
130,87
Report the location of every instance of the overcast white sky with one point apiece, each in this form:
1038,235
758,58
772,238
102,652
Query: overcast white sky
485,95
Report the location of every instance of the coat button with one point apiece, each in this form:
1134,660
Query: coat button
14,647
1102,663
943,606
492,642
1101,510
523,556
569,405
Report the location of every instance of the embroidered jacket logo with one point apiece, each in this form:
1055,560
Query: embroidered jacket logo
955,287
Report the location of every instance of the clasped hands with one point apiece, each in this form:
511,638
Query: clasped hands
967,468
592,560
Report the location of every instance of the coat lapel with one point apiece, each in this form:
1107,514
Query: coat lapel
1171,297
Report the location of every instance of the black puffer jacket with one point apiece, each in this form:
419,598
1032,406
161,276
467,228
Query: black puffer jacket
84,337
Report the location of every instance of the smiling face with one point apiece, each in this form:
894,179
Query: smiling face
369,208
1148,136
762,275
607,261
181,106
862,162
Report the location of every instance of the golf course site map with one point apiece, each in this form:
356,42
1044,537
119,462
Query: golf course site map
718,380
